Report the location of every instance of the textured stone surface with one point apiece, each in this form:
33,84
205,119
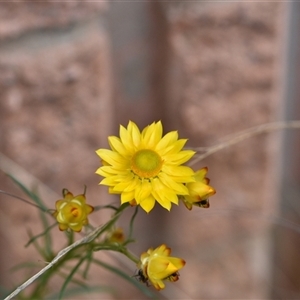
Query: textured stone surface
53,99
20,17
227,55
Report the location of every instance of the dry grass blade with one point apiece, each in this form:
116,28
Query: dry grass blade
243,135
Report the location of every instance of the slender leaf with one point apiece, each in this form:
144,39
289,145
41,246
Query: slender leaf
68,279
40,234
39,202
99,207
89,261
30,194
129,239
35,243
64,274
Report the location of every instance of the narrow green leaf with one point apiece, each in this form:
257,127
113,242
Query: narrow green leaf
30,194
88,264
39,202
40,234
129,239
35,243
68,279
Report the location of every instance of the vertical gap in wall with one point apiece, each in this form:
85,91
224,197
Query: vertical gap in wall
137,39
138,33
286,267
160,61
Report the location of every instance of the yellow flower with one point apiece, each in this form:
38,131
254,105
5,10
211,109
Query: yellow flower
146,166
71,212
199,191
156,266
115,236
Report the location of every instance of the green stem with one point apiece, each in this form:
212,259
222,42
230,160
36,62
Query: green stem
70,237
130,255
117,248
131,224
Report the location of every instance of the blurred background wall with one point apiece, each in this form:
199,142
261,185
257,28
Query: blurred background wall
71,72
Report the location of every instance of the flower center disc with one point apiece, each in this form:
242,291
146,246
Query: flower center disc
146,163
72,212
75,212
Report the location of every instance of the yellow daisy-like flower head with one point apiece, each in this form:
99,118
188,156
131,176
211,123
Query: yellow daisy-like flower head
199,191
157,266
72,212
146,166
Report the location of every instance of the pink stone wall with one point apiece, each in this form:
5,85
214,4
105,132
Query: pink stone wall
213,70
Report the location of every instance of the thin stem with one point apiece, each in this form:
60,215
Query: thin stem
129,239
243,135
117,248
24,200
130,255
71,237
40,234
72,273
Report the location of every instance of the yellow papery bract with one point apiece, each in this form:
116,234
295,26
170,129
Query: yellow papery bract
126,140
181,157
176,146
143,191
135,133
179,171
153,135
162,200
162,267
172,196
131,184
198,191
112,158
172,184
124,186
127,197
109,181
116,145
157,266
147,163
147,204
72,212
